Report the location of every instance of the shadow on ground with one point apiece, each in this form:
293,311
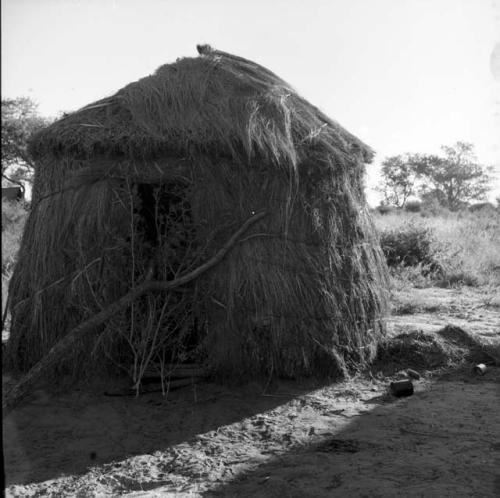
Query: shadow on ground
299,440
52,436
442,441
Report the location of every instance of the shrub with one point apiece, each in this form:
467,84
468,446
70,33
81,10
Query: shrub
464,249
386,209
413,206
409,245
482,207
432,209
470,249
453,278
13,218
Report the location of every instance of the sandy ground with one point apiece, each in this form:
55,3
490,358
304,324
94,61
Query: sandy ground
293,440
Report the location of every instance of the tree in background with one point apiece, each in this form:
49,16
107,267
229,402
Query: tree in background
450,181
398,180
20,119
454,179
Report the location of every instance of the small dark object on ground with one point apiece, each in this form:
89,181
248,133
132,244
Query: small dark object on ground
413,374
402,388
93,455
480,369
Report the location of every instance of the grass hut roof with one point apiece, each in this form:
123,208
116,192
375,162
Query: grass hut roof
156,179
213,103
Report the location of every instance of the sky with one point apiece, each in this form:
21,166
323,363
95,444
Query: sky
402,75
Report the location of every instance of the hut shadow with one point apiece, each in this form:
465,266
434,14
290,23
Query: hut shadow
52,436
396,446
424,444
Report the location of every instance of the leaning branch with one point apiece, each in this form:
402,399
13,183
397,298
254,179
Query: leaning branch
19,391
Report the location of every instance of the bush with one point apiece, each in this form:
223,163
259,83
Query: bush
432,209
14,215
469,249
482,207
413,206
409,245
386,209
464,248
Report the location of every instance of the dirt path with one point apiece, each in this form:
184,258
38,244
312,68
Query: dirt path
297,440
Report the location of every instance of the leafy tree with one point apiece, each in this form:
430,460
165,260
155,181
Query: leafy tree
454,179
398,180
450,181
20,119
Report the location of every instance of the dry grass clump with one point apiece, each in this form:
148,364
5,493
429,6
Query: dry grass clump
465,246
470,248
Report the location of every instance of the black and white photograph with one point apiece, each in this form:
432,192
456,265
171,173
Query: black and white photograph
250,248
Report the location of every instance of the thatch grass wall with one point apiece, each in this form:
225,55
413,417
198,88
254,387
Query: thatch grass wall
301,293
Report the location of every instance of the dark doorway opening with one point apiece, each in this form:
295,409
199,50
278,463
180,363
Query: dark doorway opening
164,213
166,233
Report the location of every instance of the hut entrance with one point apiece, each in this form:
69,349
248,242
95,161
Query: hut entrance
165,239
164,223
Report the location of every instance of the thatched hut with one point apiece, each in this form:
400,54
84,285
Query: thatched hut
151,182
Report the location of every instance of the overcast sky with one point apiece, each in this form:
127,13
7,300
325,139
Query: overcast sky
403,75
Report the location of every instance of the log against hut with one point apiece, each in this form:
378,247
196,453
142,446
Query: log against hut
212,159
